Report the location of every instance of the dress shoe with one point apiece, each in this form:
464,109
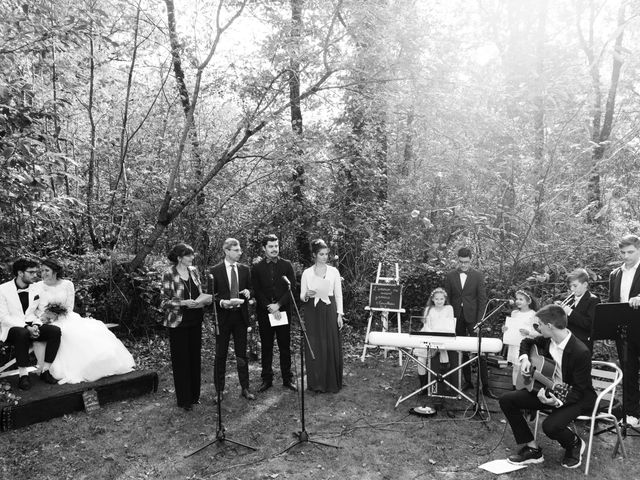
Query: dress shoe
466,386
24,383
265,386
488,393
187,408
290,385
247,394
48,378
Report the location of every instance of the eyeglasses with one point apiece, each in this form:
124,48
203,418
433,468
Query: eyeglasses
536,327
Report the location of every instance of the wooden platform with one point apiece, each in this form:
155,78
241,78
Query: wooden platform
44,402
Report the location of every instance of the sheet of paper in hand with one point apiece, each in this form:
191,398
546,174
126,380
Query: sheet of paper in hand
283,320
512,336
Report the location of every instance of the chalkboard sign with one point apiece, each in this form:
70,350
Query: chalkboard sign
384,296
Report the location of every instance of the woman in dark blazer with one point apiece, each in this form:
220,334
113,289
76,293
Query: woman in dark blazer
184,302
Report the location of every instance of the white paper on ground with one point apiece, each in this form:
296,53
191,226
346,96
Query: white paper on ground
500,466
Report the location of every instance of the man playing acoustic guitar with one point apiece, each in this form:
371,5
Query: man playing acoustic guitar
568,394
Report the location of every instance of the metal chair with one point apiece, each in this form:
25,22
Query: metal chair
605,377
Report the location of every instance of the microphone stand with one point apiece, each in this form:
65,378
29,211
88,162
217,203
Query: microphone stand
302,435
481,407
220,431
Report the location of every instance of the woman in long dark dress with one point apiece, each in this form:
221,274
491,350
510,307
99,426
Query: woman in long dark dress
184,300
321,292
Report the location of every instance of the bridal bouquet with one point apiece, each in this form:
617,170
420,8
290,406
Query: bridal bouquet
52,311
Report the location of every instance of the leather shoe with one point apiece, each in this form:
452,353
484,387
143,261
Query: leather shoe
467,386
24,383
247,394
488,393
47,377
290,385
265,386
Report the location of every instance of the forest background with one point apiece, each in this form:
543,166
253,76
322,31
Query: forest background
396,130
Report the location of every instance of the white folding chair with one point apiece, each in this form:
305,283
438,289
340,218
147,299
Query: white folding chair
605,377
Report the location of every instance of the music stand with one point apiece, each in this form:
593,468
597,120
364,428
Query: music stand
220,431
302,435
481,407
615,321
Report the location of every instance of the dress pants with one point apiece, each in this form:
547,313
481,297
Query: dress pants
630,373
234,326
466,329
186,344
555,426
283,336
20,338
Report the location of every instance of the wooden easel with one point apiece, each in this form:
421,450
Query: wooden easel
384,312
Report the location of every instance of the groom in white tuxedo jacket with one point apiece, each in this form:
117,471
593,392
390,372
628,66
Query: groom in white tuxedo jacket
15,296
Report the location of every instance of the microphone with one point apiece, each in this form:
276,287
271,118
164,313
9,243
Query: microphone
505,300
286,280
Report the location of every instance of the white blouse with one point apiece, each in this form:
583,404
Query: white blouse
310,280
440,320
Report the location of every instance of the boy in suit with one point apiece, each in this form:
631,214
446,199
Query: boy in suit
468,296
582,310
624,286
232,281
574,361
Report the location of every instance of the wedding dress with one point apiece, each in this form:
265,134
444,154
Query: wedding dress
88,349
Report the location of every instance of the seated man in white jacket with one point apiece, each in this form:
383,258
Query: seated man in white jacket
15,296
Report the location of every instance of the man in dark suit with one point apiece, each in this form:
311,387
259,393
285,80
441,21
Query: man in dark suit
624,286
582,309
573,358
468,296
231,289
273,298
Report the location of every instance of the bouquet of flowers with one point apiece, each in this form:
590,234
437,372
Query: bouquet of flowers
52,311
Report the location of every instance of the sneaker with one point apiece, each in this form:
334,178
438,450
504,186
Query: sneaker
527,455
632,421
573,455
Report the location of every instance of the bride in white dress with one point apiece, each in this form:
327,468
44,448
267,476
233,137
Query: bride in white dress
88,349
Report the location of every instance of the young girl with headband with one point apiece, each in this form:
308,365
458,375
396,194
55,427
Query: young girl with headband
438,317
522,319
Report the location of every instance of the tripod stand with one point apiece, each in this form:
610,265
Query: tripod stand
302,435
220,431
480,409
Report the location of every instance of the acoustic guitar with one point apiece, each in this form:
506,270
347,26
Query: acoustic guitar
541,374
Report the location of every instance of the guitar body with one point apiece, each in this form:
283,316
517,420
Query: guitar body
541,375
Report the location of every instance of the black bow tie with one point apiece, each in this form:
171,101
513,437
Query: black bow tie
272,260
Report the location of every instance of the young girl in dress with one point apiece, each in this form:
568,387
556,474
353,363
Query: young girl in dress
523,319
438,317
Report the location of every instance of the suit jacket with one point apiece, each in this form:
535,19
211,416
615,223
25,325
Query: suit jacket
472,298
576,368
11,314
614,284
222,290
269,290
580,322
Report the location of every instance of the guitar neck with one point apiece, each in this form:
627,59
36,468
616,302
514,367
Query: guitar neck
548,383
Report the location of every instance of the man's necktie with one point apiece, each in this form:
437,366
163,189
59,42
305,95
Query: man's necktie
234,282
